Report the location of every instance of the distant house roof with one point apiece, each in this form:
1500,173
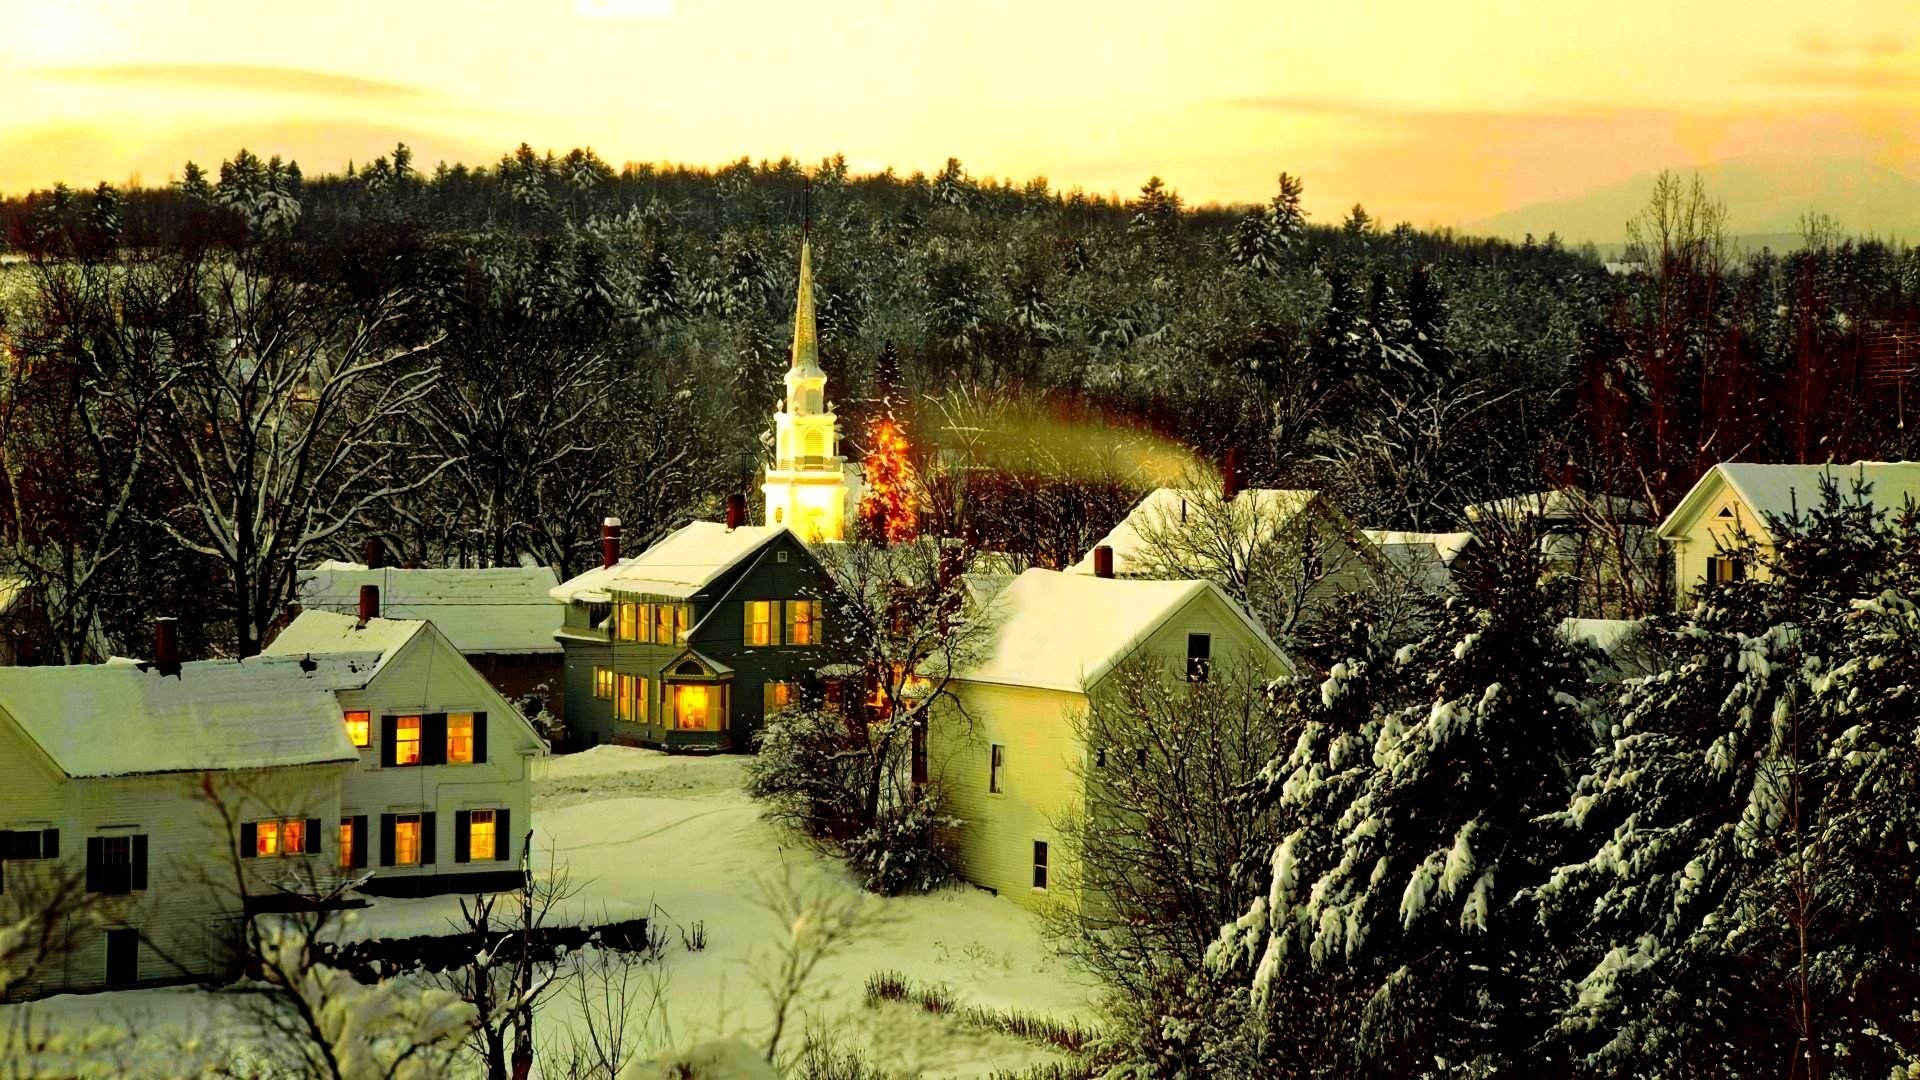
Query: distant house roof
1425,558
496,610
329,633
1783,490
1559,504
121,718
1167,509
680,565
1065,631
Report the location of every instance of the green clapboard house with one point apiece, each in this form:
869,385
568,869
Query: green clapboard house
689,644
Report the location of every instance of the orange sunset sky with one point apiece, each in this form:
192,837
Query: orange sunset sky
1434,112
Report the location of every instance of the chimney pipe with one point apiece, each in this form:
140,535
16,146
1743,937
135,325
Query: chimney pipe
369,603
736,511
374,553
166,646
1103,561
609,542
1230,475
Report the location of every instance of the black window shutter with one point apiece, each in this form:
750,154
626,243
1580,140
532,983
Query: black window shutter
7,848
426,829
249,840
480,735
433,739
462,834
386,839
96,860
388,734
359,842
50,844
140,861
313,836
502,834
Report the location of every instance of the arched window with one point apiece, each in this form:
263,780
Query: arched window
816,445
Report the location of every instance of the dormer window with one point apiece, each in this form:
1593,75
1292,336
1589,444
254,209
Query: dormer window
406,740
459,738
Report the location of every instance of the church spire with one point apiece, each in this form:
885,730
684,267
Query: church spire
806,340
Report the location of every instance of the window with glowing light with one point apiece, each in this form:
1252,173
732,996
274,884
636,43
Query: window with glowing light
281,837
346,843
406,740
628,623
663,624
778,695
629,701
760,622
360,728
480,835
602,682
459,738
803,622
406,840
699,707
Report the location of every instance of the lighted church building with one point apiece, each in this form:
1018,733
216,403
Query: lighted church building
688,645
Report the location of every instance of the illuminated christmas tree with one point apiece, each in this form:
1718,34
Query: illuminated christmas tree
887,509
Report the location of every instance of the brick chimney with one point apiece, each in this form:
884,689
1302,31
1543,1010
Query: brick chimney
374,553
736,511
609,542
1103,561
166,646
1230,475
369,603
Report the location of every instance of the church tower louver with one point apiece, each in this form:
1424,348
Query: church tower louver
806,485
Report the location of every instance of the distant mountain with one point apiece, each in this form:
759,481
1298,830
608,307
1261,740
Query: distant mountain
1765,195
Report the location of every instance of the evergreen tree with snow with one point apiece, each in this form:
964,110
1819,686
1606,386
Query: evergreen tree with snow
1744,903
1411,834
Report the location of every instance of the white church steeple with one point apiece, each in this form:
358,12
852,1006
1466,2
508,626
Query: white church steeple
806,485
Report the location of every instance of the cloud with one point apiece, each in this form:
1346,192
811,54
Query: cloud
1844,77
275,80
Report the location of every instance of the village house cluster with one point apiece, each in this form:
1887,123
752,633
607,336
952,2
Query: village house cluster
383,743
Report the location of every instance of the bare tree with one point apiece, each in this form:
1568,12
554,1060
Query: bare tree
274,421
819,923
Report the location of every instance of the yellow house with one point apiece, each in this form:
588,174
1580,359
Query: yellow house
1737,500
1006,752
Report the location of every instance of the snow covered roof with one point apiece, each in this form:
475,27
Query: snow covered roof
1781,490
681,564
1165,509
1560,504
1066,631
1602,634
125,719
328,633
506,609
1426,558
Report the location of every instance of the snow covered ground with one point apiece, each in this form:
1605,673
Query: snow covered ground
639,832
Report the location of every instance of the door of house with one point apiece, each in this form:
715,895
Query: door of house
123,957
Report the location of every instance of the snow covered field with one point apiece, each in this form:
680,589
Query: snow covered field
640,831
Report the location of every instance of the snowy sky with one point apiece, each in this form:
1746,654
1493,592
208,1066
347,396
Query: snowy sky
1437,113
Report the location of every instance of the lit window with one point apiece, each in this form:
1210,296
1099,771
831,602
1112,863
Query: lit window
1040,865
693,707
663,623
803,622
1725,571
406,840
406,740
346,843
280,837
628,622
480,835
682,618
627,697
460,738
778,696
602,682
359,728
760,621
997,769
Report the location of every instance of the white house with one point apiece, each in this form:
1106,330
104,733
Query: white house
1006,753
124,791
1736,500
500,618
438,799
1426,559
